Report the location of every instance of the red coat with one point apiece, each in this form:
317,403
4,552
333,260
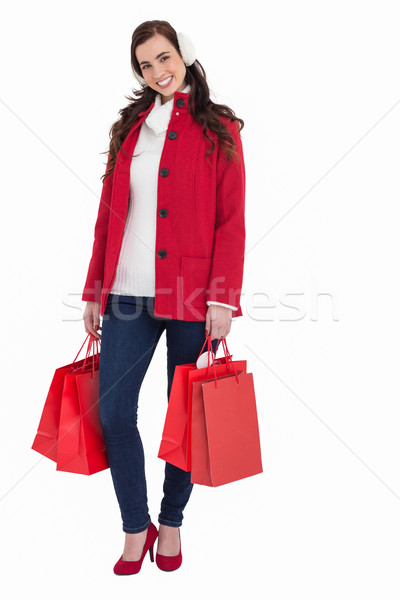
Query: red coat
200,230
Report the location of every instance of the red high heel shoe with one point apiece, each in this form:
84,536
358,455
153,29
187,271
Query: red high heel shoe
170,563
131,567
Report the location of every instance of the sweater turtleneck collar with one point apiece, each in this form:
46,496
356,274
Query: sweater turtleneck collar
160,115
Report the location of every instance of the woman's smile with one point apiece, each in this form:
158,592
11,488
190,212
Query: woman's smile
165,82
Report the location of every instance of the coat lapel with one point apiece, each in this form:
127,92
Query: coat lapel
129,143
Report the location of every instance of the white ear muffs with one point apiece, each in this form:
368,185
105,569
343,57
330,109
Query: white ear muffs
139,77
187,50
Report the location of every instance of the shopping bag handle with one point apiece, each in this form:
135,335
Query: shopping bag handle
228,357
208,339
95,358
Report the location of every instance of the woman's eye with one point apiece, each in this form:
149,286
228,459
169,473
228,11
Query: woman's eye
163,58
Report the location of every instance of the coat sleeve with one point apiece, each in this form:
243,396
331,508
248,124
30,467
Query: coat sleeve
209,302
95,275
226,275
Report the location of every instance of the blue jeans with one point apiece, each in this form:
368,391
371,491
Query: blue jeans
129,336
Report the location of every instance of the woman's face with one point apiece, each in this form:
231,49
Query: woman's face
161,66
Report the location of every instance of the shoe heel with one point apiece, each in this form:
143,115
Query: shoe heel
151,553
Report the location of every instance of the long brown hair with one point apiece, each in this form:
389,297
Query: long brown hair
205,111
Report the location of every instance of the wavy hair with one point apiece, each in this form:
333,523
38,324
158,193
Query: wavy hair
204,110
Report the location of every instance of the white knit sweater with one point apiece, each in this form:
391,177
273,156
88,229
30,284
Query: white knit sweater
135,274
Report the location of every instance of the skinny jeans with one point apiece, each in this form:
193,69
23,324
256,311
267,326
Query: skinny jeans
129,337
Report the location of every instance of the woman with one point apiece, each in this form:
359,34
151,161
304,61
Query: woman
168,254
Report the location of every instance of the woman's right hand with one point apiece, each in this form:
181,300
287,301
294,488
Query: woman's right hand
91,318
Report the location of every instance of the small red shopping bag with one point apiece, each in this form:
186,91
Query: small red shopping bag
225,441
174,447
175,444
69,431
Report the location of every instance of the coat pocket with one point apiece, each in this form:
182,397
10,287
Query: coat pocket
195,273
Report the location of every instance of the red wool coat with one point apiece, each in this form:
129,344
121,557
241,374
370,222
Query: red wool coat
200,229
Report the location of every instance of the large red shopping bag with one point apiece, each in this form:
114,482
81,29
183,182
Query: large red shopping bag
175,443
225,441
69,431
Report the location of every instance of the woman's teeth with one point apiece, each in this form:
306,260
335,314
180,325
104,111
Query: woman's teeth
165,82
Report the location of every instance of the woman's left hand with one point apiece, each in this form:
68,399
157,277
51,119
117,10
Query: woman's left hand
218,321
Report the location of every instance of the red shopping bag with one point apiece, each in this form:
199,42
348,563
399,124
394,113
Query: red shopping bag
45,441
175,443
225,441
69,431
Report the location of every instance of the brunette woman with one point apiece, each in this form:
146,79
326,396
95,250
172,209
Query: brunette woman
168,255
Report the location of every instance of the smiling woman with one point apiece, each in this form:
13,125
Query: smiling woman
168,255
162,66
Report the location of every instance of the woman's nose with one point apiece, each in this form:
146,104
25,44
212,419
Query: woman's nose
157,74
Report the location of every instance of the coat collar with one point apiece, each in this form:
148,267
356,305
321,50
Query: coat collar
126,144
160,114
183,94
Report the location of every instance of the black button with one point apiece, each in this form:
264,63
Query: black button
162,253
180,102
164,172
172,135
163,212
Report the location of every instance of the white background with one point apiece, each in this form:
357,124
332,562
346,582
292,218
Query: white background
317,86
